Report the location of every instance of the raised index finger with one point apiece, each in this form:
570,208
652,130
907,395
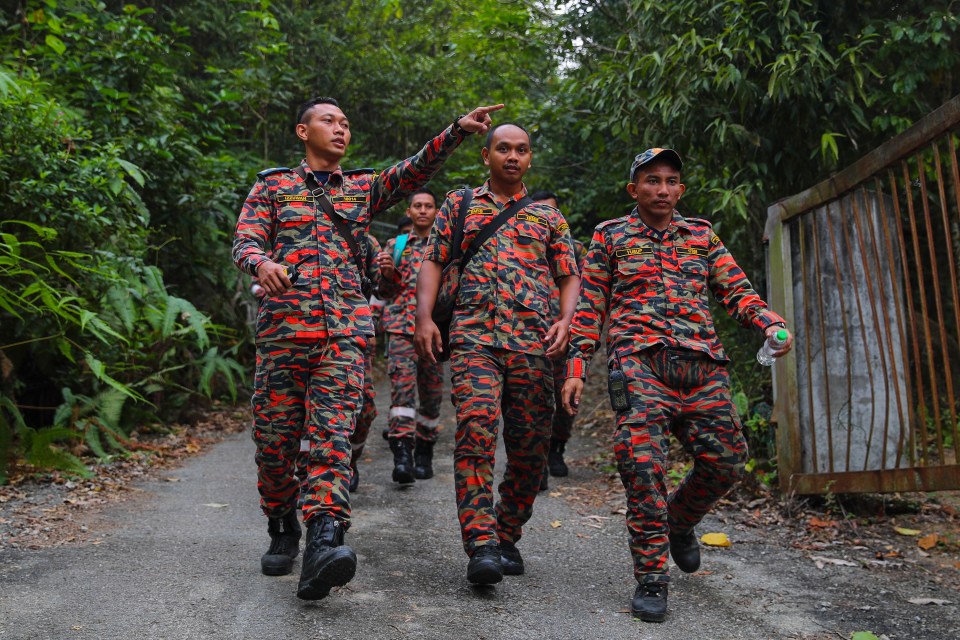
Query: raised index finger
486,110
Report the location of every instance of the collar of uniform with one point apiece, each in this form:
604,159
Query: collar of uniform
677,222
336,176
484,190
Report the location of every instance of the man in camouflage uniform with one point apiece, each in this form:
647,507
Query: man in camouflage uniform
562,421
501,341
380,271
311,337
413,429
651,271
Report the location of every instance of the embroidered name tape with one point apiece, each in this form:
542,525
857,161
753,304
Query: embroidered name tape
701,252
292,197
528,217
633,251
349,199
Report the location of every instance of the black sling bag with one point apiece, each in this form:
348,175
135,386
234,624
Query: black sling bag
320,197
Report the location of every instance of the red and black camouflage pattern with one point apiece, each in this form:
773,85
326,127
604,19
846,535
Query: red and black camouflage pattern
368,408
562,427
291,379
311,390
505,290
411,377
399,314
279,219
487,381
685,393
498,359
656,290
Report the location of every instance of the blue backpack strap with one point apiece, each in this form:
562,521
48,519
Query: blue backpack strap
398,247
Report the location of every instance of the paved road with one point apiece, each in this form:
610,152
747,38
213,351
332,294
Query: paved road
172,566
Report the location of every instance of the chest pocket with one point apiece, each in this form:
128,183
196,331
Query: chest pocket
530,235
352,207
294,224
693,261
637,270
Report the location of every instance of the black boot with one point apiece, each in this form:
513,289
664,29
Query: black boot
558,468
510,559
284,545
423,460
484,566
386,434
327,562
685,550
402,460
650,602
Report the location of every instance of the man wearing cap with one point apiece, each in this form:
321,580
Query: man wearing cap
651,271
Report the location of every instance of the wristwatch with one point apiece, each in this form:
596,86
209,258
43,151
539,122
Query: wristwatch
457,129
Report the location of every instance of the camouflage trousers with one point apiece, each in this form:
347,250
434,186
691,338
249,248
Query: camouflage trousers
562,421
411,377
686,394
306,390
485,383
365,418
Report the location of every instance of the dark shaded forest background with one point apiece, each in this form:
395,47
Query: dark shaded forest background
131,132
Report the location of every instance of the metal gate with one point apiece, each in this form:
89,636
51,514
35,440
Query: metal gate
864,268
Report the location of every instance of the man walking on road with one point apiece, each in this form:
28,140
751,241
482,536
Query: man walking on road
501,342
301,232
651,272
562,427
413,427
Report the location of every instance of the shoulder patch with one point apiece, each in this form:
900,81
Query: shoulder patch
267,172
705,223
608,223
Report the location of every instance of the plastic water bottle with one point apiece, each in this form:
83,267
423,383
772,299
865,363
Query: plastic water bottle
773,343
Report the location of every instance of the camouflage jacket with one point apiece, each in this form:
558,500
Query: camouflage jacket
655,290
581,252
279,218
400,313
504,298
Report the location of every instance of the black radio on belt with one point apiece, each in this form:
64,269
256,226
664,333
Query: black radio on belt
293,273
617,386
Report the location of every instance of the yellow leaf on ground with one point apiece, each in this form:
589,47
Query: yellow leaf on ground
927,542
907,532
556,524
715,540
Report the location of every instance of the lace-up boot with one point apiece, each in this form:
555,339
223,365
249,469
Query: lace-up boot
650,602
327,562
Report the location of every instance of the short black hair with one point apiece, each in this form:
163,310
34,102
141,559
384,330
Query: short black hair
403,222
540,196
310,104
426,191
504,124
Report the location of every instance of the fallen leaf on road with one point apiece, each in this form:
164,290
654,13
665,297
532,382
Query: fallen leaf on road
863,635
216,505
715,540
556,524
555,494
823,524
928,542
929,601
821,560
907,532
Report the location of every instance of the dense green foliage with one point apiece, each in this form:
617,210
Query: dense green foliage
130,133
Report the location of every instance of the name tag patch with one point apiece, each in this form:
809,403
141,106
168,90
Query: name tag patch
700,252
294,197
350,199
478,211
629,252
528,217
